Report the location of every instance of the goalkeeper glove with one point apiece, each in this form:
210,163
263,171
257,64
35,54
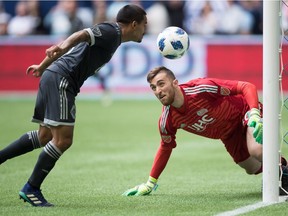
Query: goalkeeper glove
255,121
142,189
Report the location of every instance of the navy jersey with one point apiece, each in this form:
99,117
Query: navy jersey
86,59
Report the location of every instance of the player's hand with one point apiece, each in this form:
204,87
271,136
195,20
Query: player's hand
35,70
54,52
255,121
142,189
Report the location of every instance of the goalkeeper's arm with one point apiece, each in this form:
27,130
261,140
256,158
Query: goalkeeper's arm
160,161
249,91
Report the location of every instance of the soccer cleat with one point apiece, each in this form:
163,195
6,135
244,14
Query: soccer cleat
33,196
283,161
283,191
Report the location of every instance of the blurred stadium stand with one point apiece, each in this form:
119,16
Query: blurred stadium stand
222,56
45,6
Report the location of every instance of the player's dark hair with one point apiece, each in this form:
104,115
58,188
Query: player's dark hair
158,70
130,13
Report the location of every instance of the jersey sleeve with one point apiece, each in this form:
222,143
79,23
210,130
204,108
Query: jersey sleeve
92,38
166,130
160,161
167,143
233,87
249,91
103,35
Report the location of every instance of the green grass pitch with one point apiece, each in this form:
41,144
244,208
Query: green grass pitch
113,150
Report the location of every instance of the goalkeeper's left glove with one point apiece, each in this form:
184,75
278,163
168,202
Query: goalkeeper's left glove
255,121
142,189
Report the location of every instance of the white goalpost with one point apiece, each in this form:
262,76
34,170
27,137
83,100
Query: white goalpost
271,126
271,112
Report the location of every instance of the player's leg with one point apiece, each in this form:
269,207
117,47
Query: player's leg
237,147
253,163
33,139
255,149
251,166
284,180
60,116
62,140
26,143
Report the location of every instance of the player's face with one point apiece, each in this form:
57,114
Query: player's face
140,29
164,88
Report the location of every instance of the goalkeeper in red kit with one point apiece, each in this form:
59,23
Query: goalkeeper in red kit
213,108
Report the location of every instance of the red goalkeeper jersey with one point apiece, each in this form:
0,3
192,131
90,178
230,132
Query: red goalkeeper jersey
212,108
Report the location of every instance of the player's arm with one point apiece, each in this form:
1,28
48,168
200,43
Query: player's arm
249,91
56,51
160,161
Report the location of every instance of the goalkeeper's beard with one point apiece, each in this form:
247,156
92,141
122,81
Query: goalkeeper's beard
167,99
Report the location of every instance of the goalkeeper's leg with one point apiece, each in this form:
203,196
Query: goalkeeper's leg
284,180
244,150
251,166
254,148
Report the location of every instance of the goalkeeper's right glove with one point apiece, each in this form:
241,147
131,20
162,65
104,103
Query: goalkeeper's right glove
142,189
255,121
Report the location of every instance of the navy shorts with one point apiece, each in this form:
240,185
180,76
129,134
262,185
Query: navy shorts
55,103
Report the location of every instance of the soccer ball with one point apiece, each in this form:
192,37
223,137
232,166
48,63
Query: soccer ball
173,42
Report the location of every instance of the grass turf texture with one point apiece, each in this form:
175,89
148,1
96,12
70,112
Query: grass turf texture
113,150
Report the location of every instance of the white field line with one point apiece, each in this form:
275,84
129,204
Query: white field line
250,208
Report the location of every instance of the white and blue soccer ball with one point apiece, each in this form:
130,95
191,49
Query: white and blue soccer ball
173,42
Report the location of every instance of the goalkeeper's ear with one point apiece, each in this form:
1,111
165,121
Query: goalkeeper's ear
175,82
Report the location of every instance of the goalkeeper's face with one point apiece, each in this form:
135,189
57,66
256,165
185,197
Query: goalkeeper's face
164,88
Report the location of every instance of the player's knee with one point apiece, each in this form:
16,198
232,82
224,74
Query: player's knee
44,136
252,166
249,172
64,144
254,170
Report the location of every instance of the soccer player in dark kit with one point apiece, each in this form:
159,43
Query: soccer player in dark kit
63,71
213,108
